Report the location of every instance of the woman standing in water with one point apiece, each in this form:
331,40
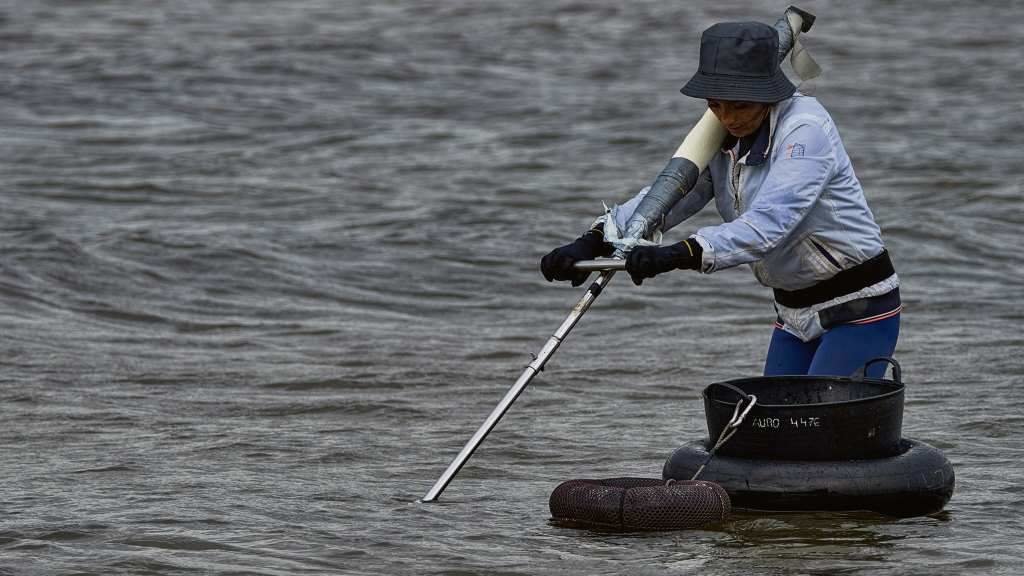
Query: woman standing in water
792,208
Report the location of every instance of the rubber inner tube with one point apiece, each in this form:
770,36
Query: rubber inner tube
639,504
919,480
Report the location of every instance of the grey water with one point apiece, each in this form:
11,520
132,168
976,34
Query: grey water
265,266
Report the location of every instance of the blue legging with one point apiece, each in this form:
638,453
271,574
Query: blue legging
840,351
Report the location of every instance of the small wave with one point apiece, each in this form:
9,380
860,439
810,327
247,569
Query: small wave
175,542
108,469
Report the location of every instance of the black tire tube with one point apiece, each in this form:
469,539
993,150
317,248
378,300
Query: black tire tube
916,482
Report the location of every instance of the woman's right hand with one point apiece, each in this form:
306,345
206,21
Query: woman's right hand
559,264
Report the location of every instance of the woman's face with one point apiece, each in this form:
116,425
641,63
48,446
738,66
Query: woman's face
739,118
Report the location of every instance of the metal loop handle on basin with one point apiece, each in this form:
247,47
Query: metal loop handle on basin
897,372
739,391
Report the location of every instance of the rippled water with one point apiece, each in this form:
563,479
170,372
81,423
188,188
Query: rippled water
265,266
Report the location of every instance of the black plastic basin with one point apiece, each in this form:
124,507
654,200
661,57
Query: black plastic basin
809,417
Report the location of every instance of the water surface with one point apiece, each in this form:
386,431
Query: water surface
265,266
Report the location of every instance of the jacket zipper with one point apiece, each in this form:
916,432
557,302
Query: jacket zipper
737,168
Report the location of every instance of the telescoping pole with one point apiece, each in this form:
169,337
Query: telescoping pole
524,379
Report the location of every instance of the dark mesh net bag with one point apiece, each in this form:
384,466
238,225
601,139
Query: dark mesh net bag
639,504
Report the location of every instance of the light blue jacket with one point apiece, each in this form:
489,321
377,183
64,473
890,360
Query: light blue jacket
798,215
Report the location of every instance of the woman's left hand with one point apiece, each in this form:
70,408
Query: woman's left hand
649,261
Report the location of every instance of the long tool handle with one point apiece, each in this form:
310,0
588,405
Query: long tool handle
600,265
524,379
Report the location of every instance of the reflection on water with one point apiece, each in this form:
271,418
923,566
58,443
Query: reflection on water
840,529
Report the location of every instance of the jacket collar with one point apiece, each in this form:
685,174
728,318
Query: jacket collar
761,145
753,148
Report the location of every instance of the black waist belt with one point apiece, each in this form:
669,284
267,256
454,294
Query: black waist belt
845,282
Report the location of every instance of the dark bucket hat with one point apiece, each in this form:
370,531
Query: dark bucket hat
740,61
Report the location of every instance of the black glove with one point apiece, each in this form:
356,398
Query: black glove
558,264
649,261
